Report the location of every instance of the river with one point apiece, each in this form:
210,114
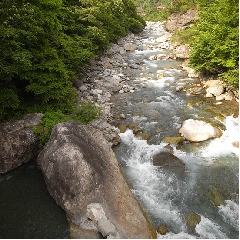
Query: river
212,167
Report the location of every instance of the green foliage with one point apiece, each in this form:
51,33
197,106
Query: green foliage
214,50
45,42
85,114
170,6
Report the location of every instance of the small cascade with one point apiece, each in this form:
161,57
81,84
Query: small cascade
207,185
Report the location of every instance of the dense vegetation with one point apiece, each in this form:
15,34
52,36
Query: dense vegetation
214,40
44,43
152,13
215,45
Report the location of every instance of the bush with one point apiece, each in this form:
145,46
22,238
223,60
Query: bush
85,114
214,49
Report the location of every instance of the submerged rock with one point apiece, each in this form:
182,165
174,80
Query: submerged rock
18,143
162,230
166,158
173,140
197,131
216,198
80,168
192,219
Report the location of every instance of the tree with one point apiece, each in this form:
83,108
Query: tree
214,50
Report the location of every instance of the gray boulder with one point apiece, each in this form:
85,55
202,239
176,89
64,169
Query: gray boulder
80,168
167,159
18,143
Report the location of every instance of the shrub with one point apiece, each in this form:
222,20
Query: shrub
85,114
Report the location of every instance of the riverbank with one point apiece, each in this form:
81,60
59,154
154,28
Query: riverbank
113,72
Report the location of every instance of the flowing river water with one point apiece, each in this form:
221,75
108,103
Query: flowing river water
211,168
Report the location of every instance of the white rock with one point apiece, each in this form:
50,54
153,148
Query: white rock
95,212
215,90
106,228
197,131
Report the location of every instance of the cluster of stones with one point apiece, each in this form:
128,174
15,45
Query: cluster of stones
105,76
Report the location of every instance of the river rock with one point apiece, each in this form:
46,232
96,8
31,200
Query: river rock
197,131
130,47
122,128
215,90
80,168
192,219
182,51
162,230
166,158
18,143
173,140
216,197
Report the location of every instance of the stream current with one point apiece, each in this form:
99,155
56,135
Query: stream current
212,167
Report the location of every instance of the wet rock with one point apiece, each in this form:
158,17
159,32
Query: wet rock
143,135
166,158
162,230
122,128
18,143
160,75
169,148
80,168
216,198
173,140
197,131
235,144
192,219
122,116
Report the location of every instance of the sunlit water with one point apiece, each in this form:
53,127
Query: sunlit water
211,166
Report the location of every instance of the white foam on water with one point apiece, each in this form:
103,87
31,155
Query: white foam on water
209,230
223,146
152,186
230,213
171,235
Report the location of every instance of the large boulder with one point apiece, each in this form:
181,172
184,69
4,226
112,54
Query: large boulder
80,168
197,131
18,143
167,159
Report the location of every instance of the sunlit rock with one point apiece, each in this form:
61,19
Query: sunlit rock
197,131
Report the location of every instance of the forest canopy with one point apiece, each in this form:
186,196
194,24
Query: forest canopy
45,42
